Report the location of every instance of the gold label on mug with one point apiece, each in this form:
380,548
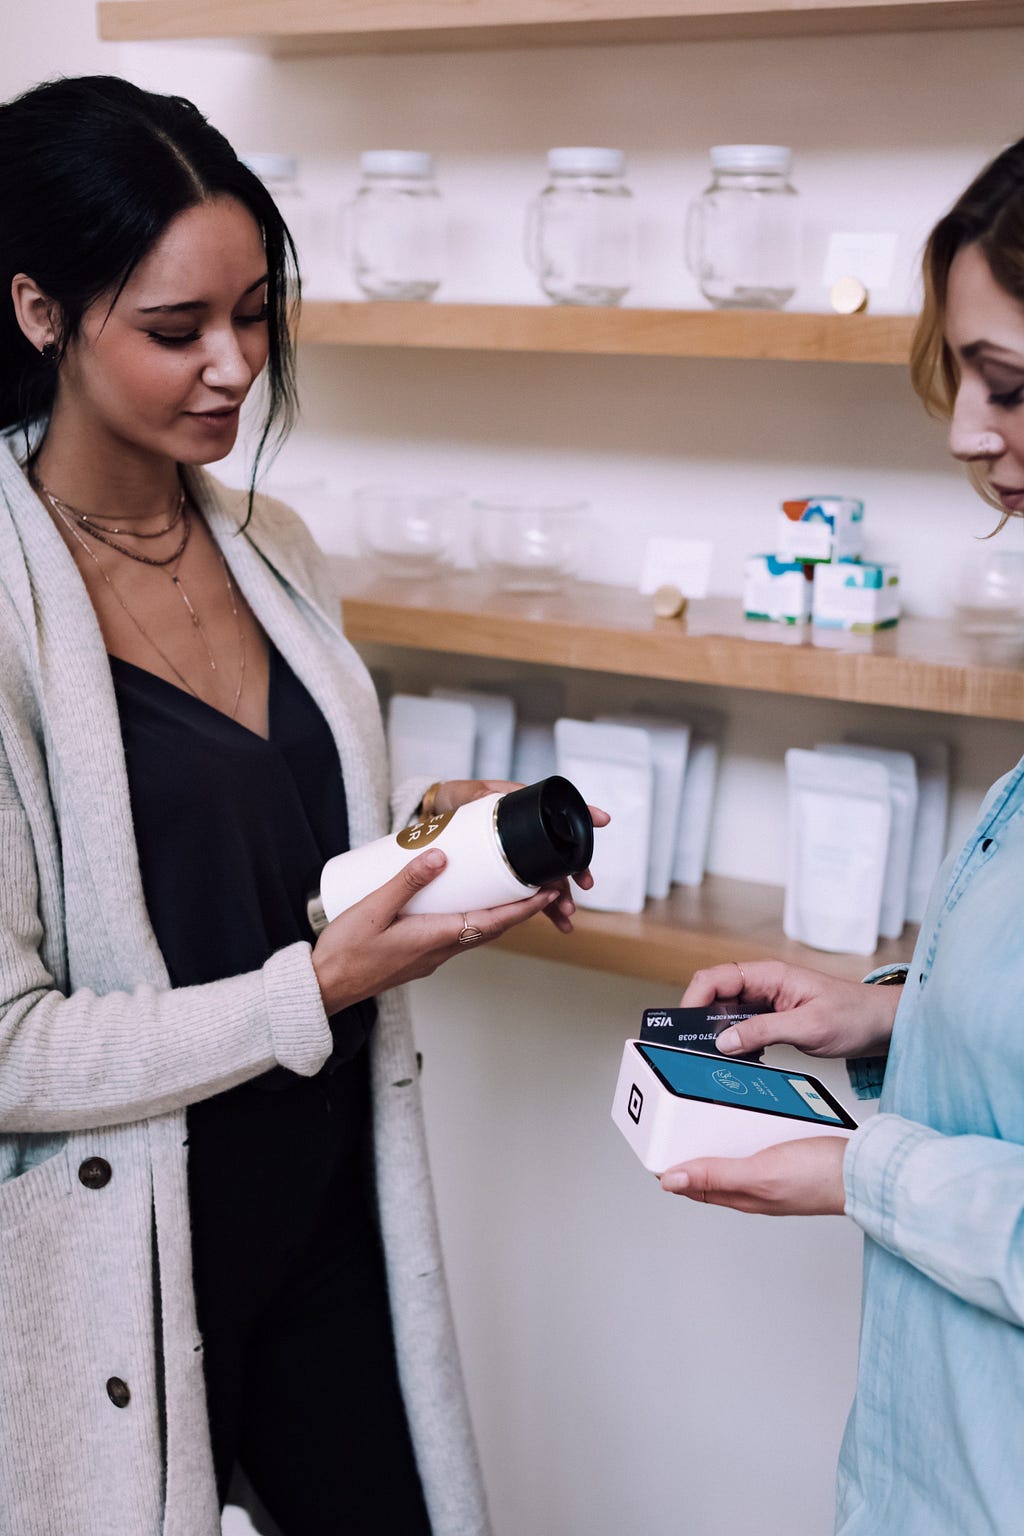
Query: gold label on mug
423,832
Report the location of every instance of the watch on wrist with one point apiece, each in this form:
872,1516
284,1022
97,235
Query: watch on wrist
428,802
889,976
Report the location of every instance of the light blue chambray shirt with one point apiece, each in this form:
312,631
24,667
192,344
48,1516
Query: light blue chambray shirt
935,1441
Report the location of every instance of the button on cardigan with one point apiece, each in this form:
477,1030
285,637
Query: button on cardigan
99,1058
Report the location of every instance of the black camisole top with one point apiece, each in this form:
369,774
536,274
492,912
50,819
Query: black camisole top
232,833
232,830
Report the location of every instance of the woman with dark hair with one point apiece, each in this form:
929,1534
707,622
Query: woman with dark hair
207,1125
936,1179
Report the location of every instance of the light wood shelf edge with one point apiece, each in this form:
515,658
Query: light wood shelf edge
919,665
746,334
362,26
721,920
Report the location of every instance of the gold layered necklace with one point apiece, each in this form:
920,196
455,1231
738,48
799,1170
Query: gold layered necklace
80,523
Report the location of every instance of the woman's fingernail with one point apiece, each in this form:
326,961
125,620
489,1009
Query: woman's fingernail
434,859
728,1040
552,896
675,1182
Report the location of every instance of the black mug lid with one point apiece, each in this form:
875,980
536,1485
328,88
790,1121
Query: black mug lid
545,831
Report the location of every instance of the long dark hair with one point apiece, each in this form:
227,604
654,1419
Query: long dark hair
92,171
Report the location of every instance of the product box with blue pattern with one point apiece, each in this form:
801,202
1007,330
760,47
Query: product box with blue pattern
820,528
779,590
856,596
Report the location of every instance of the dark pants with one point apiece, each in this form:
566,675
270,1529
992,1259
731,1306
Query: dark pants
302,1387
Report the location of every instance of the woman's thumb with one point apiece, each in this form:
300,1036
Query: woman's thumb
420,871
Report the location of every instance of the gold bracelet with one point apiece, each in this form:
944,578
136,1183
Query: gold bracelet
429,800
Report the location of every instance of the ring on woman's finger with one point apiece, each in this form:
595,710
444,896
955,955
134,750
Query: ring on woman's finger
470,934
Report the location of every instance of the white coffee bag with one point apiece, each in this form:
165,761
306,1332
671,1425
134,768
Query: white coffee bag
430,738
534,756
495,730
695,810
902,773
839,814
670,744
611,767
931,824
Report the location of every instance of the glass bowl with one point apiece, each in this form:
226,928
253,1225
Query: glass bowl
409,533
529,545
988,600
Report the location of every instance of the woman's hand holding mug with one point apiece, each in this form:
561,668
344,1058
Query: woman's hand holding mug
451,793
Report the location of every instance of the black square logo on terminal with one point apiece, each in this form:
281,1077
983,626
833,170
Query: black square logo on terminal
635,1105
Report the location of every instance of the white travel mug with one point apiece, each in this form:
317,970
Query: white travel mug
500,848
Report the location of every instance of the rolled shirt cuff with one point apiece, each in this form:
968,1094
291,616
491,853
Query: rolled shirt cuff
873,1164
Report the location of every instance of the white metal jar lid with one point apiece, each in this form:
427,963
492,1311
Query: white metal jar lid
416,163
771,159
586,162
272,167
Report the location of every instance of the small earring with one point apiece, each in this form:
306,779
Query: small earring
50,352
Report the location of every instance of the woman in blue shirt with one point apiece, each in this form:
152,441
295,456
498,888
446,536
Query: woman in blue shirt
936,1180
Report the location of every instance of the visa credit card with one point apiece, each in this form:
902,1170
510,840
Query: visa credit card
697,1029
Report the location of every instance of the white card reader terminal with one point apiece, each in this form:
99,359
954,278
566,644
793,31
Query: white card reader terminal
673,1104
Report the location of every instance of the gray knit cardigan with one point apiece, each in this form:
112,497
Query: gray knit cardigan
99,1057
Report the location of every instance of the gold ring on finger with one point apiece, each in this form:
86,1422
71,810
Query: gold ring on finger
470,934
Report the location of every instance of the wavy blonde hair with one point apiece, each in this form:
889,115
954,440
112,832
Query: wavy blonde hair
989,214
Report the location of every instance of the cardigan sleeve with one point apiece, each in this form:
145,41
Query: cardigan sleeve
83,1060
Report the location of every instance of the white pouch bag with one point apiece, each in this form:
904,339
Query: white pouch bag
902,773
611,767
931,823
837,845
695,810
534,756
430,738
930,827
670,743
495,730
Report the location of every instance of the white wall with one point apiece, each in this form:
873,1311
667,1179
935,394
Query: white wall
635,1364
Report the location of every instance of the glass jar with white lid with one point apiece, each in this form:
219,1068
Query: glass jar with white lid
279,173
581,229
743,231
397,233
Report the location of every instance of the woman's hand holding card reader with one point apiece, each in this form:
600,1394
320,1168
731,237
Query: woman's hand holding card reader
673,1104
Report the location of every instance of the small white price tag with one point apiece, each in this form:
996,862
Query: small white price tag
869,256
682,563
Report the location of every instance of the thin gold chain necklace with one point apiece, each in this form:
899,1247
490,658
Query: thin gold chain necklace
193,615
74,518
92,523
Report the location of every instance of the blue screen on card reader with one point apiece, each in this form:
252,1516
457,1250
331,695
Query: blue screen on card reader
742,1084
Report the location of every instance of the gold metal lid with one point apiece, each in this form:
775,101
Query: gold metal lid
849,296
669,602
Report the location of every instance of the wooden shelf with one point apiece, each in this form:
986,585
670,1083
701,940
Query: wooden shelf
804,338
378,26
718,921
611,629
921,664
